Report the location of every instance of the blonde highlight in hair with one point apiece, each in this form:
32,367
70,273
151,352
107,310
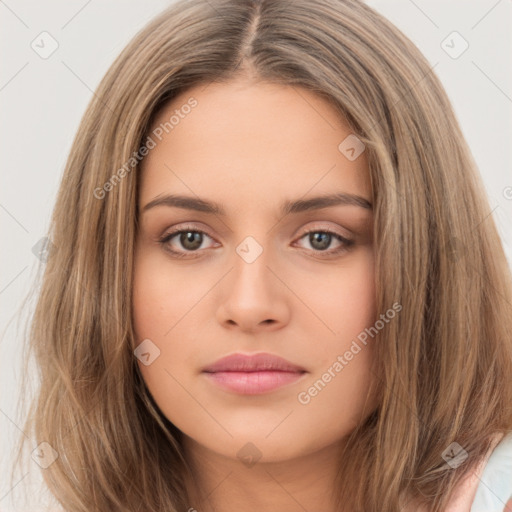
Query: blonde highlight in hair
444,364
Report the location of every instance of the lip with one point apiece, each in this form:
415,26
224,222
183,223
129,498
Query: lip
253,374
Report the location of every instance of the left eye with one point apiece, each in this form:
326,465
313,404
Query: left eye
321,240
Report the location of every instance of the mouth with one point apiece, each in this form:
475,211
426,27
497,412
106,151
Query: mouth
253,374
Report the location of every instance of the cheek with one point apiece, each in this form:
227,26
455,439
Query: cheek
160,306
167,310
342,302
336,393
161,298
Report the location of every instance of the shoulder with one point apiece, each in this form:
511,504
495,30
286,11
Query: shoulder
489,487
495,486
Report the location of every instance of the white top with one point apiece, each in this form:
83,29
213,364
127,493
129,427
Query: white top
489,487
495,487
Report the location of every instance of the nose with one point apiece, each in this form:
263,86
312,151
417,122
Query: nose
253,297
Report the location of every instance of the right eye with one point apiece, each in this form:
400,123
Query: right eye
179,242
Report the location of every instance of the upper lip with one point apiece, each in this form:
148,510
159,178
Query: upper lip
252,363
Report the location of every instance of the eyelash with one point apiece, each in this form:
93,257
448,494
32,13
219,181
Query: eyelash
346,243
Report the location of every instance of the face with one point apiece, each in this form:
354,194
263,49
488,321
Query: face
248,262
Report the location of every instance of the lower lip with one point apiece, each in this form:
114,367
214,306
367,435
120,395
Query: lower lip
254,383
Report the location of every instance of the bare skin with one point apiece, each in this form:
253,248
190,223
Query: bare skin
249,147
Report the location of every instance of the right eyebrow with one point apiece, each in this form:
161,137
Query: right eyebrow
186,202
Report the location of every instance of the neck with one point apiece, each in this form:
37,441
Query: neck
222,483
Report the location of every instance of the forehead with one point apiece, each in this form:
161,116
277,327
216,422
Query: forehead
250,142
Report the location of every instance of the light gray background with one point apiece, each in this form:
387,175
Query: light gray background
42,101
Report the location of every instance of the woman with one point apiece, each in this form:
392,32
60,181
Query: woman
273,282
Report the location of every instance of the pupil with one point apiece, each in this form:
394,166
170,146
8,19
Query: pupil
323,239
191,240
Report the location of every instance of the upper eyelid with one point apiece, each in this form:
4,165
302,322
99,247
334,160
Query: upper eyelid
178,230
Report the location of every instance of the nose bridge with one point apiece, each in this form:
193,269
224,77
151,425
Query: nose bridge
253,296
251,273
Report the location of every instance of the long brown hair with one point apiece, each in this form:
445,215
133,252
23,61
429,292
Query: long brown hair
444,364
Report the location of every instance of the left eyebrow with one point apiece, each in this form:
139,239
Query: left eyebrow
288,207
316,203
